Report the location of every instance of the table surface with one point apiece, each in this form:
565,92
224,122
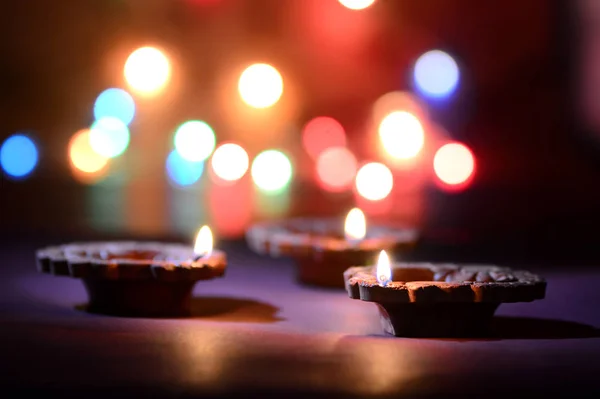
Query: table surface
257,331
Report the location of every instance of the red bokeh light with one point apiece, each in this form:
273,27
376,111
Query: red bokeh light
231,207
454,166
336,168
321,133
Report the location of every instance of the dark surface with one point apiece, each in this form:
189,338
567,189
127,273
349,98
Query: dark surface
256,332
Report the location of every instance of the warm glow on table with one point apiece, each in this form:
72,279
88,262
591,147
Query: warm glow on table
147,70
260,85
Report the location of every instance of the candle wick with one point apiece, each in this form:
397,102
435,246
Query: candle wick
202,256
383,280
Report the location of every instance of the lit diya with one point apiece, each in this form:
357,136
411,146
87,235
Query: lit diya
137,278
439,300
325,248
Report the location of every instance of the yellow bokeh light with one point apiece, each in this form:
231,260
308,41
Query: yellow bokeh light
401,135
356,4
82,156
230,162
260,85
374,181
147,70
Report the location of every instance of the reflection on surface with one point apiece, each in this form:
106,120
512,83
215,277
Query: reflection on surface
534,328
230,309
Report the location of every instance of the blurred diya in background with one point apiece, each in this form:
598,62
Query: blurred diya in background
144,279
440,300
324,248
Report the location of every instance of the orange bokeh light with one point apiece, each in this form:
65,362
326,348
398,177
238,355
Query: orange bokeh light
454,166
336,169
321,133
86,164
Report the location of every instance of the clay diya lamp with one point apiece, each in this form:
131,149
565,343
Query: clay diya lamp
324,248
145,279
440,300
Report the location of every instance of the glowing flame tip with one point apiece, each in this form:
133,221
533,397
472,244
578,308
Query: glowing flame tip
204,242
384,269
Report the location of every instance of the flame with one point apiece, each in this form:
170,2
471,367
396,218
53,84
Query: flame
204,242
384,269
355,227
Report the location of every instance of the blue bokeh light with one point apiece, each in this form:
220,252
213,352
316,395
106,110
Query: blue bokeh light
436,74
181,171
18,156
115,103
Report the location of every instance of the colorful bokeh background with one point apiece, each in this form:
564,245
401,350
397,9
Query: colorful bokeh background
151,118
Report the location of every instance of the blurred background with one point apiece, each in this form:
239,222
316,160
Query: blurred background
477,122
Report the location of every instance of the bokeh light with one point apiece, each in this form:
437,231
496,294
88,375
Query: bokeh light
109,137
18,156
401,135
195,140
336,169
115,103
147,70
436,74
181,171
230,207
271,170
356,4
260,85
230,162
321,133
83,157
398,101
454,165
374,181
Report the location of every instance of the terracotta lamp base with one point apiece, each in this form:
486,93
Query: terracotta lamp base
134,279
143,298
427,300
437,320
319,248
